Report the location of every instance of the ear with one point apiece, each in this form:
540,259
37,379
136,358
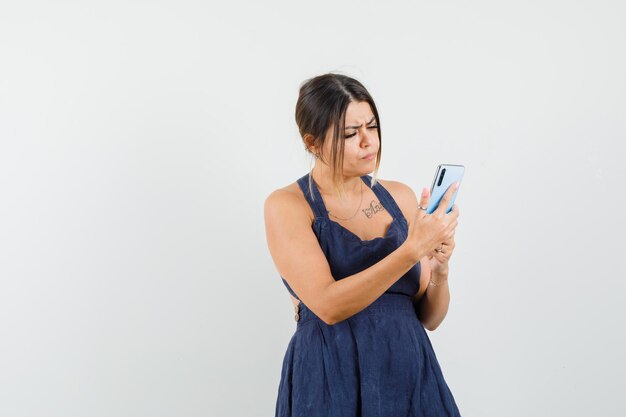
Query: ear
309,143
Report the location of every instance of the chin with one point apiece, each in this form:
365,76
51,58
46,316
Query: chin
366,172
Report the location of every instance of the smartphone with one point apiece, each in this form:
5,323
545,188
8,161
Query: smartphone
445,176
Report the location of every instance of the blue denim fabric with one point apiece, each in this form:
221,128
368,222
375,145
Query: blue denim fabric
377,363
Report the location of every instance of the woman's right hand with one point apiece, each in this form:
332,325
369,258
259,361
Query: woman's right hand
428,231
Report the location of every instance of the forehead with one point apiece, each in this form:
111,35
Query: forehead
358,112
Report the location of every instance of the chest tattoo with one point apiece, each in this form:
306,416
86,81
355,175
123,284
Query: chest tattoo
374,208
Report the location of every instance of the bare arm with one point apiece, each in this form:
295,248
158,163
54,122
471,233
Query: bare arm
302,263
352,294
433,306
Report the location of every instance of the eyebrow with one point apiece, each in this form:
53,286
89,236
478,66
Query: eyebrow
356,127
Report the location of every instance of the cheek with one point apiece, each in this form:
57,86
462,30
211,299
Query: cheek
351,153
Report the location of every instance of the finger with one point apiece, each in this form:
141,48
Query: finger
449,245
449,242
455,210
451,224
424,200
450,227
447,197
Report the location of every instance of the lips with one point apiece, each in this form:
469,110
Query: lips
370,156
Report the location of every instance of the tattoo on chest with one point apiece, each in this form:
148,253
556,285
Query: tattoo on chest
374,208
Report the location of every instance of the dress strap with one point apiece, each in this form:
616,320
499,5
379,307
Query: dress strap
317,204
383,195
289,288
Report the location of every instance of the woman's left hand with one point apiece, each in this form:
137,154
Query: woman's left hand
439,260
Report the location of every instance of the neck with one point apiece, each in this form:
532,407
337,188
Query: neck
322,176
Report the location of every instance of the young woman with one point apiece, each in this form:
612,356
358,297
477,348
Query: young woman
366,267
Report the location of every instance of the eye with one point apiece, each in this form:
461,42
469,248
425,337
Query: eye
369,127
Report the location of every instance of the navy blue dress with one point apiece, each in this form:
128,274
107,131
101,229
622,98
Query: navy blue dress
377,363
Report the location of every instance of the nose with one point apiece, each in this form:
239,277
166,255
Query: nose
369,136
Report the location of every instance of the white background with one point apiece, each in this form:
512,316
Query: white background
139,140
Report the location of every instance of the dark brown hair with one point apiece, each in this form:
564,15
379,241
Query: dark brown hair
322,104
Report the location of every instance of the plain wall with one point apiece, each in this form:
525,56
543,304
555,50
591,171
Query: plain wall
139,140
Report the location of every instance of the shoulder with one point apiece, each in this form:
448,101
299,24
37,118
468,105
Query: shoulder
288,198
403,195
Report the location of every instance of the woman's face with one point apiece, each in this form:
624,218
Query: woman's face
360,137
